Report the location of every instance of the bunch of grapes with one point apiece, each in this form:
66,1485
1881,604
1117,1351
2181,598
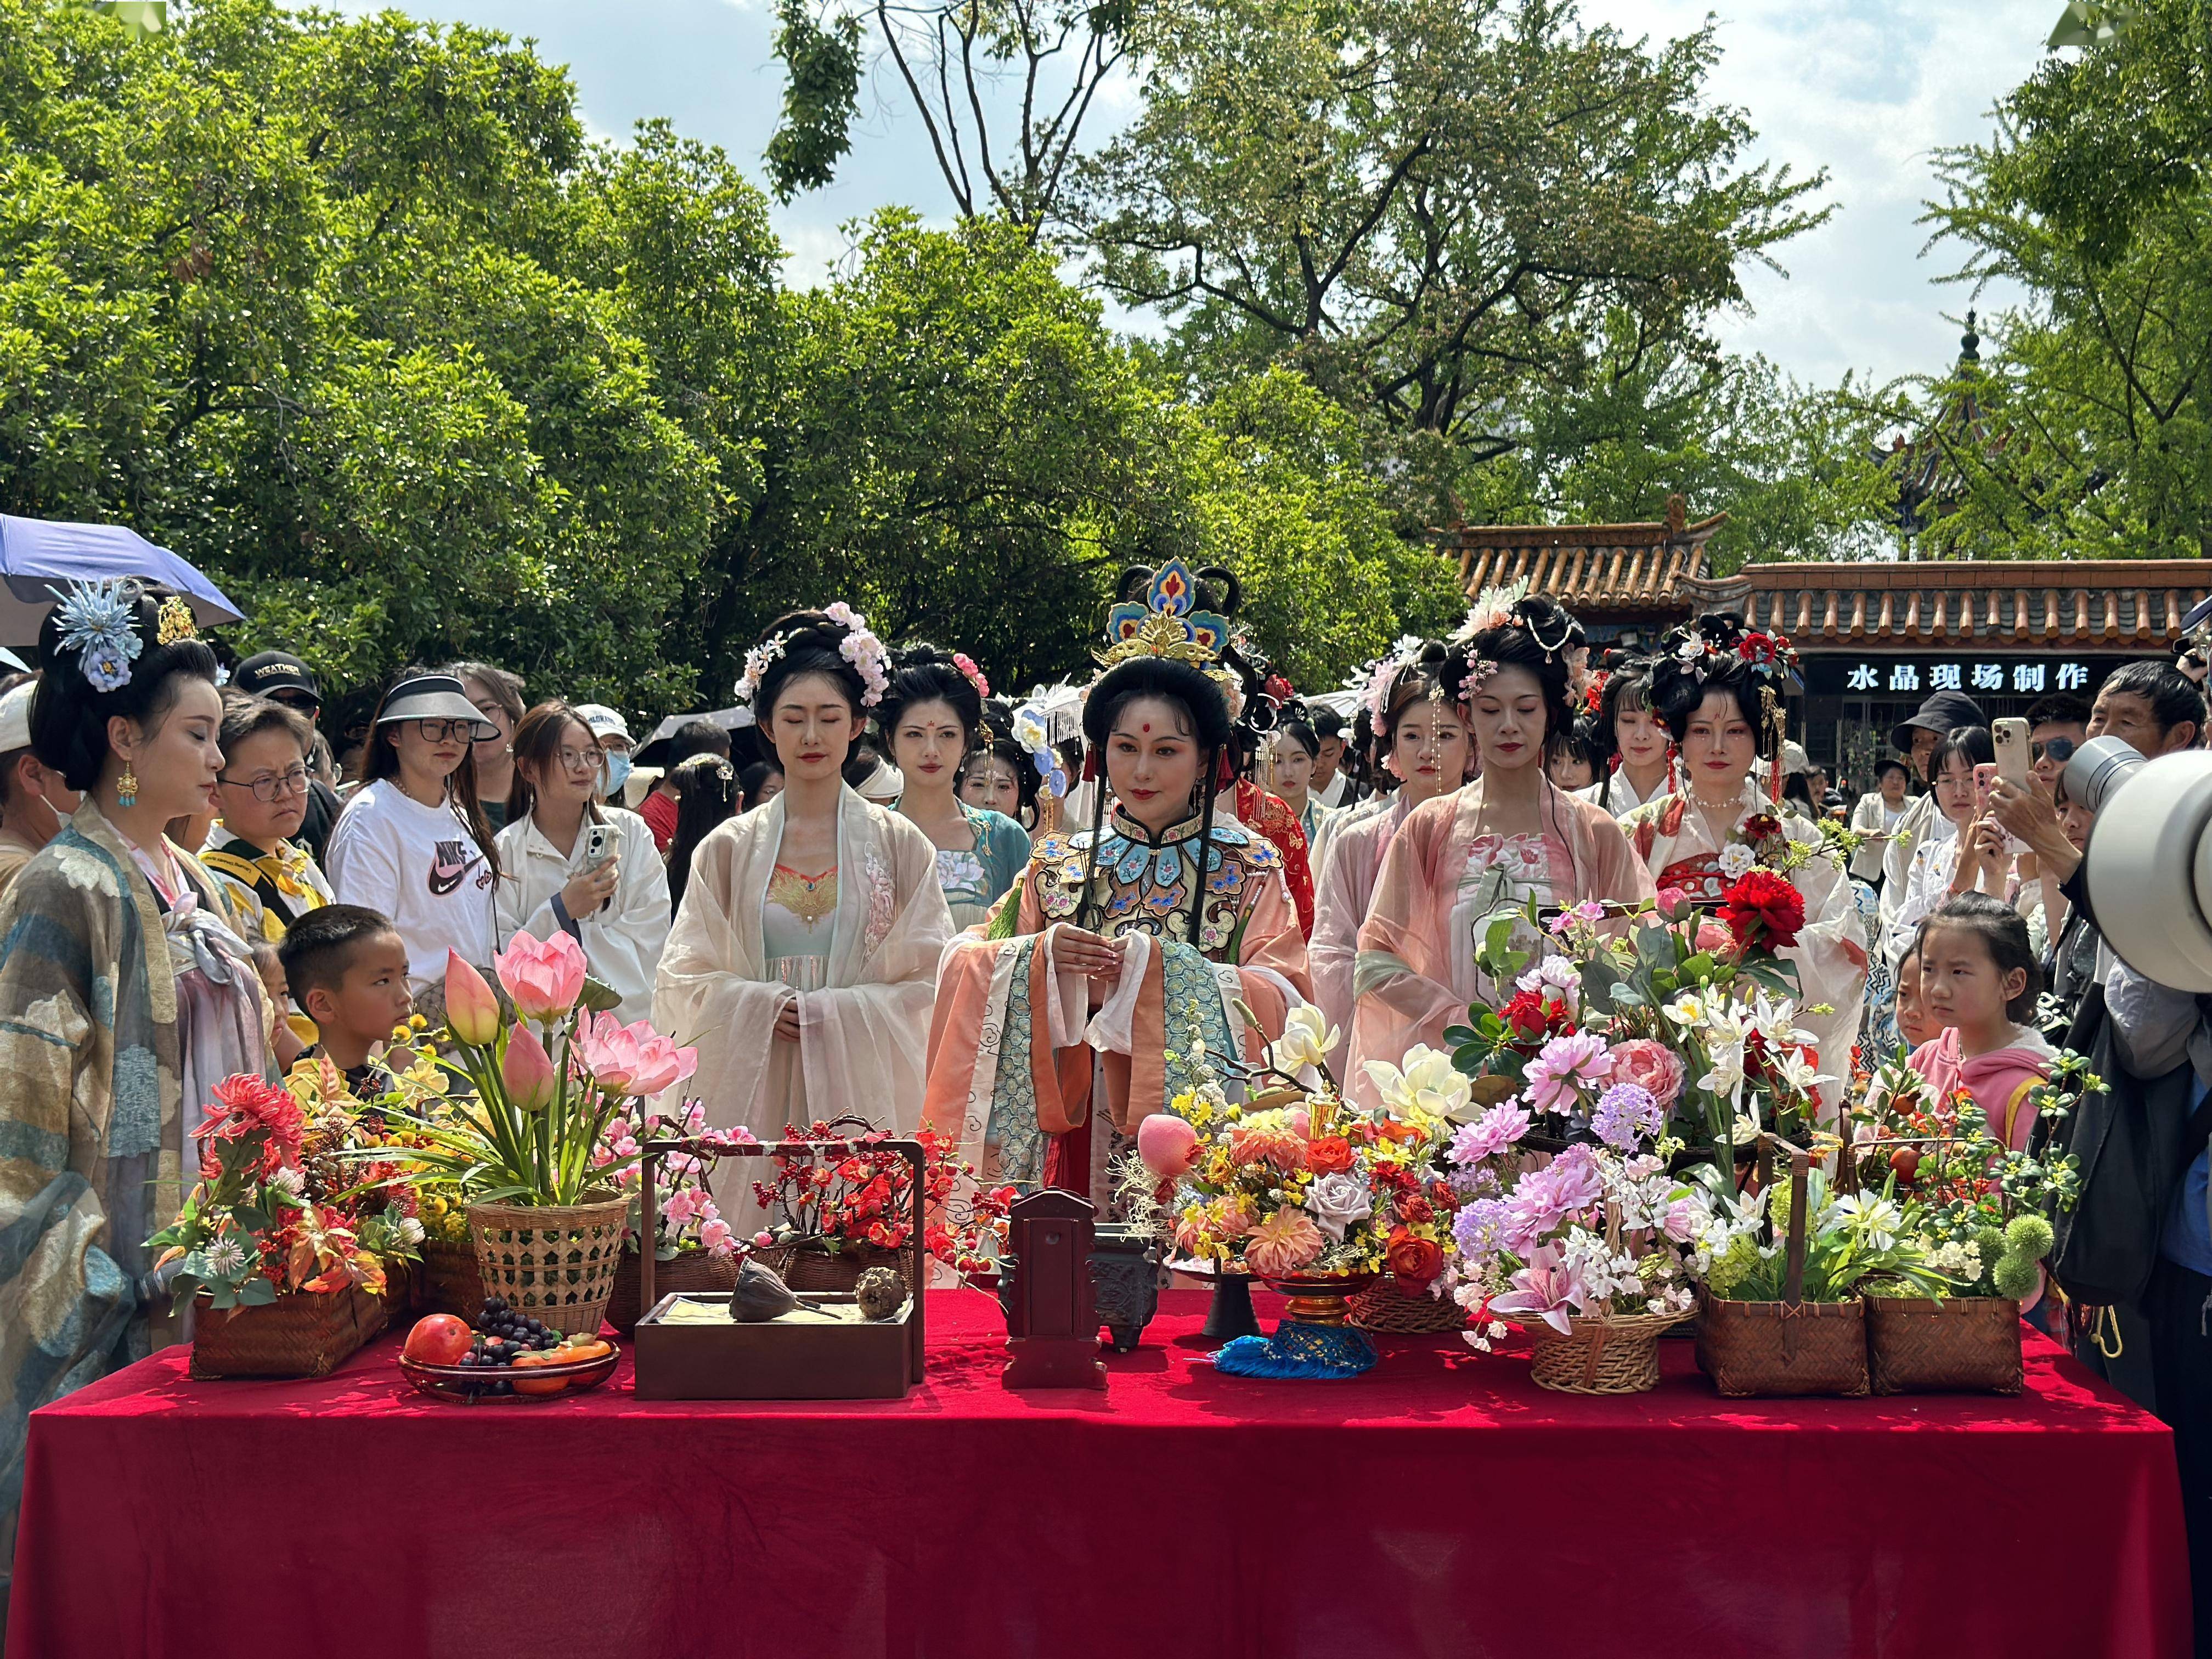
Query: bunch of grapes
503,1337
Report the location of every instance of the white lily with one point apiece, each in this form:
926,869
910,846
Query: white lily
1874,1219
1427,1083
1307,1040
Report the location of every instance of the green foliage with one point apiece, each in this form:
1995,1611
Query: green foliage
1429,208
821,57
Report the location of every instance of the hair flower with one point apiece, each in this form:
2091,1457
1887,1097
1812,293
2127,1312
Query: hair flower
99,622
972,674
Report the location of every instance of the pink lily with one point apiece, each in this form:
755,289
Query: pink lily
1544,1289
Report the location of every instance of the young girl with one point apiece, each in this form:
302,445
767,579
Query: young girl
615,906
1979,980
1951,857
413,844
1640,763
1913,1024
1573,764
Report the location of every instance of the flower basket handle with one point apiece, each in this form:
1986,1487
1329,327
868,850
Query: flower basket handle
1793,1269
711,1147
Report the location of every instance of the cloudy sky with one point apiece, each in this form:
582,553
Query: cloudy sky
1867,88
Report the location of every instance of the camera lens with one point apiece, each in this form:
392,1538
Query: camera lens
2097,769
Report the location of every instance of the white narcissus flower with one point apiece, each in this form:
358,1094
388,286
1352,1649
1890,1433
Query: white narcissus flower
1737,859
1684,1009
1875,1219
1308,1039
1427,1082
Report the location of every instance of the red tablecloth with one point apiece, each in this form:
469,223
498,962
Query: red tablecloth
1442,1504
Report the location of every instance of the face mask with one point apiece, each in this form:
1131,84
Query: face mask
617,772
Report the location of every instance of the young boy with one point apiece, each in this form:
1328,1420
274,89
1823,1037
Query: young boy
347,969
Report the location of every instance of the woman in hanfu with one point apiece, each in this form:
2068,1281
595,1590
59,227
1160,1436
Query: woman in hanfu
1510,837
804,959
1124,939
1719,687
1412,730
931,718
125,1001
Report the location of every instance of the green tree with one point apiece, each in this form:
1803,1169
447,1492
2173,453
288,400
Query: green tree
1428,207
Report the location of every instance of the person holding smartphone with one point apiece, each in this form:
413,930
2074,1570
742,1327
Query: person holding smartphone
1961,852
573,863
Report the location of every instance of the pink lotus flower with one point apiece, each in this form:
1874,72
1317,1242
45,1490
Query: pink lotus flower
1544,1289
633,1059
1167,1144
545,978
471,1011
527,1070
1550,1082
1652,1066
1285,1242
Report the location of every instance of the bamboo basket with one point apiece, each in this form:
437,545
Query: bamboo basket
301,1333
814,1271
1792,1346
448,1280
1386,1309
1615,1354
552,1262
691,1273
1962,1344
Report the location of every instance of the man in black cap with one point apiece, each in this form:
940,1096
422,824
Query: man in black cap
282,678
1916,739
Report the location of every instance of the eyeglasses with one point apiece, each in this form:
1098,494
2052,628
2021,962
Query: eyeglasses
581,760
293,782
445,731
2057,751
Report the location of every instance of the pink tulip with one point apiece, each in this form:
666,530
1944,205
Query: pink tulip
633,1059
472,1010
527,1071
1167,1144
545,978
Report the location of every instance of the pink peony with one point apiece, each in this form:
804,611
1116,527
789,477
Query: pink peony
1715,938
1549,1084
1673,902
544,977
1653,1067
633,1059
1285,1242
1167,1144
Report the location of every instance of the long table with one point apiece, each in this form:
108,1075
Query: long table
1442,1504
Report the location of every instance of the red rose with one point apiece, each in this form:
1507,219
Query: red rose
1763,909
1415,1210
1331,1154
1524,1014
1414,1262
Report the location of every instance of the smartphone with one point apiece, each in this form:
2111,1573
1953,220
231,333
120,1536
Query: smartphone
2010,737
1985,774
599,845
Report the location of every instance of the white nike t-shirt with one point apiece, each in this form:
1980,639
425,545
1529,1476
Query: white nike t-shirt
420,866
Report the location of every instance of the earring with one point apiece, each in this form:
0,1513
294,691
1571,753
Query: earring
126,787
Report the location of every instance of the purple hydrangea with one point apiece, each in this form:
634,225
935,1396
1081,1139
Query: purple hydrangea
1479,1226
1626,1115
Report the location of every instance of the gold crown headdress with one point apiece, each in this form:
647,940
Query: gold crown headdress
1167,622
175,622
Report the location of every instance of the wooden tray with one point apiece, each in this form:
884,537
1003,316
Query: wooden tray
856,1359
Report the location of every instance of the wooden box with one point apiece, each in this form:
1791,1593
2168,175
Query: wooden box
859,1360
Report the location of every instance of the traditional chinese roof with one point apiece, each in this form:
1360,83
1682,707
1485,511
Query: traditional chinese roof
1607,571
2085,605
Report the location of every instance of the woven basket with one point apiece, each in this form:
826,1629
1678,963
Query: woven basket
300,1334
689,1272
447,1280
1792,1346
809,1270
1964,1345
556,1263
1618,1354
1387,1309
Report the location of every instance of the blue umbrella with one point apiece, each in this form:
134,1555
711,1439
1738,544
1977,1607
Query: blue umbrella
38,557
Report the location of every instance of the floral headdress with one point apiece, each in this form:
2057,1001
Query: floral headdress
1492,608
1167,624
1770,656
972,674
1029,731
1374,687
99,622
859,647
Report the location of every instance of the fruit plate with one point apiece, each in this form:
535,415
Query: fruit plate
470,1384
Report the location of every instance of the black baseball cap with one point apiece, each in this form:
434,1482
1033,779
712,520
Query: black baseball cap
270,671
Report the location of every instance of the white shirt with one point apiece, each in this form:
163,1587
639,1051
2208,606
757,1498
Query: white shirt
419,867
1332,796
622,939
1615,792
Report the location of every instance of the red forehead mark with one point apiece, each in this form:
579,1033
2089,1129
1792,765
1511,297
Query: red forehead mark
1148,726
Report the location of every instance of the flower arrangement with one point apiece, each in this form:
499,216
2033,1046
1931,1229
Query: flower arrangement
1980,1208
865,1200
685,1215
1694,1013
1295,1183
267,1217
1598,1231
1855,1242
529,1128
